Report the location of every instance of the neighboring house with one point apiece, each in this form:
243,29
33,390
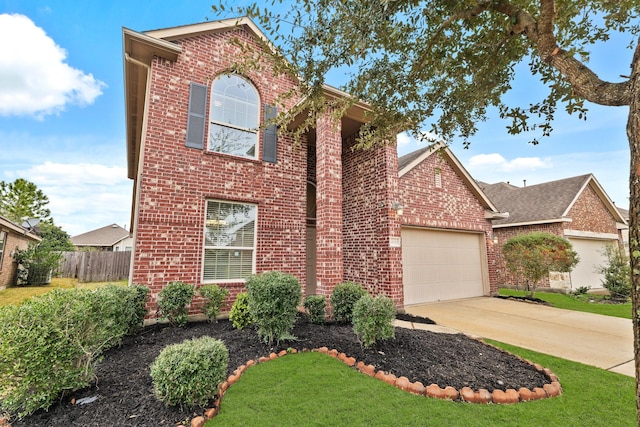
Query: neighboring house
217,198
111,238
576,208
12,237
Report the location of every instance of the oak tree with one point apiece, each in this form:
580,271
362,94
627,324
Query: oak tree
442,64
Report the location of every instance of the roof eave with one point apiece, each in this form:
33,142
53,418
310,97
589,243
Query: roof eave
536,222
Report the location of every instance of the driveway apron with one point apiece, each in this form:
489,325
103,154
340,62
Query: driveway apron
592,339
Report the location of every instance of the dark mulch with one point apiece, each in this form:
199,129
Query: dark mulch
125,393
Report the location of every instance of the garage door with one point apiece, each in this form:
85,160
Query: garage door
442,265
591,258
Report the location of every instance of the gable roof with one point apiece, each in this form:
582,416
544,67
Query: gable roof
106,236
546,202
413,159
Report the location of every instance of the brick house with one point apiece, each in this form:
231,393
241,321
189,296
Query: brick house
576,208
12,237
216,209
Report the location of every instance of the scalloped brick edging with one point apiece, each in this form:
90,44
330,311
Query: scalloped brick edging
465,394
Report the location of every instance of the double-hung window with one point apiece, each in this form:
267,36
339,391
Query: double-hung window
229,241
234,116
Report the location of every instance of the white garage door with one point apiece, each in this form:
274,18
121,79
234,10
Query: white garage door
590,252
442,265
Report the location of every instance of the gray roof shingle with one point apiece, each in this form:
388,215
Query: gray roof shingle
546,201
106,236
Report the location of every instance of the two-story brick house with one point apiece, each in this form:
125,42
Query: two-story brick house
217,197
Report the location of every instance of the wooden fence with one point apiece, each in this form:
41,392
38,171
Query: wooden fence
95,266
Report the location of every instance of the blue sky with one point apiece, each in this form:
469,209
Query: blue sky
62,111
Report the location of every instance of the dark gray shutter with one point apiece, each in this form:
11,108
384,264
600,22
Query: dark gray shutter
197,113
270,137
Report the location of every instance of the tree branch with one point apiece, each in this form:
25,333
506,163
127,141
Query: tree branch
584,81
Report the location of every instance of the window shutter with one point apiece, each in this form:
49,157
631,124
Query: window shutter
270,140
197,112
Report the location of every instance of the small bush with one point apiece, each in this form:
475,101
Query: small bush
239,315
173,300
190,373
373,319
343,298
273,304
616,272
215,295
581,290
52,343
315,305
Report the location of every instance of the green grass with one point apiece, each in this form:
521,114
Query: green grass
16,295
313,389
578,303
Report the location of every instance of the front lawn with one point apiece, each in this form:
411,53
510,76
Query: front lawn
586,302
314,389
16,295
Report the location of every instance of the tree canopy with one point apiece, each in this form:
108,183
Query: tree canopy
535,255
439,65
21,200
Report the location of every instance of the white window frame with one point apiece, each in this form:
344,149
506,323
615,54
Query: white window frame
241,248
216,122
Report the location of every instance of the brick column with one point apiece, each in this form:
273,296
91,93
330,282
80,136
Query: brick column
389,250
329,267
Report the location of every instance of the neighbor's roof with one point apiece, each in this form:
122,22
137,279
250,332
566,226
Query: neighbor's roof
546,202
6,223
413,159
105,236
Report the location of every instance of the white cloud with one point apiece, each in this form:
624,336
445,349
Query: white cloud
497,162
34,78
83,196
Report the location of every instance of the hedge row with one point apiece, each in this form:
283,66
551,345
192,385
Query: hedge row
51,344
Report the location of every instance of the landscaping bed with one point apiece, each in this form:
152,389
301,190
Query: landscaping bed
123,393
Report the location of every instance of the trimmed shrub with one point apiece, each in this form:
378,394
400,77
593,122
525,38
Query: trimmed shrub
343,298
239,315
616,273
215,295
315,305
52,343
373,319
173,300
273,304
190,373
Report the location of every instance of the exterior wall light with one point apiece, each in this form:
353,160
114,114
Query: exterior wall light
396,206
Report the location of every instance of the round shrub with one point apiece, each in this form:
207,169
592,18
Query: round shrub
373,319
189,373
273,304
215,295
343,298
239,315
315,305
173,300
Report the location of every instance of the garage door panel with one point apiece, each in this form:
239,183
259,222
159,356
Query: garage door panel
441,265
591,257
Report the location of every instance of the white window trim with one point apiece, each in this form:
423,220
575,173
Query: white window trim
3,245
212,121
205,247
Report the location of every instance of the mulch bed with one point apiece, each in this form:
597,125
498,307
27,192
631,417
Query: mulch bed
124,393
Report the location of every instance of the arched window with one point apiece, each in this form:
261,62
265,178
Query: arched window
235,115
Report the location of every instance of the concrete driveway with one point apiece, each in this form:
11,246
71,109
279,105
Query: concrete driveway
592,339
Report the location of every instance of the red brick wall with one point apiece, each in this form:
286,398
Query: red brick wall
589,213
370,185
176,181
8,268
452,206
